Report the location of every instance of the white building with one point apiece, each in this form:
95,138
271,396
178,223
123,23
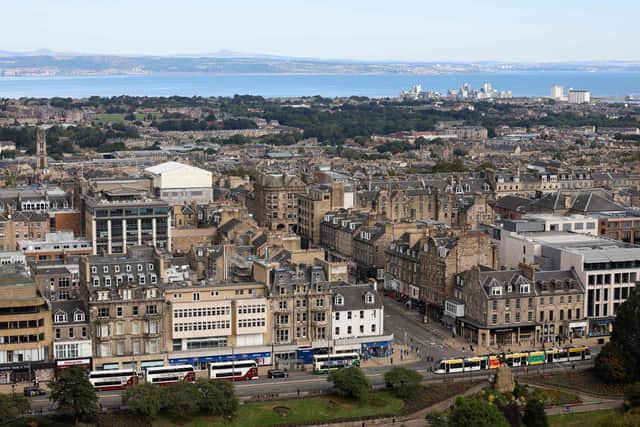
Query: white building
178,183
557,92
574,223
579,96
357,313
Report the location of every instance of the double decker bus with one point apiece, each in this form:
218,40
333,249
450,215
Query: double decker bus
113,379
237,370
163,375
324,363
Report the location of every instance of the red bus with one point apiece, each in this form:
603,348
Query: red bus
113,379
238,370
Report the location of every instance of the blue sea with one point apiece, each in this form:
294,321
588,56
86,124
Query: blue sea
328,85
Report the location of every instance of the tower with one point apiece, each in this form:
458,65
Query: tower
41,151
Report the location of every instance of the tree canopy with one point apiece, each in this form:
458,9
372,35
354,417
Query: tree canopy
143,399
74,394
350,383
405,383
471,412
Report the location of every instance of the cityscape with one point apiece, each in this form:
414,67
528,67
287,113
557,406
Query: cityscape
447,254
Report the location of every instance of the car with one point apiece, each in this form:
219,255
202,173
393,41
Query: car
278,373
34,391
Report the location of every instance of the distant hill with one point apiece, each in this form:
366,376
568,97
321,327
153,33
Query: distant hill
46,62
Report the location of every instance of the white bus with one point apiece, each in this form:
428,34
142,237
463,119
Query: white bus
113,379
323,363
172,374
237,370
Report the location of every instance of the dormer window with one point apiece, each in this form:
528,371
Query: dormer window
525,288
339,300
60,317
78,316
368,298
496,291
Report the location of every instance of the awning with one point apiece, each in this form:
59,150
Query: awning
578,324
448,320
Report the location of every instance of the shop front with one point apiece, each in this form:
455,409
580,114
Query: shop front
27,372
201,361
84,363
577,329
599,327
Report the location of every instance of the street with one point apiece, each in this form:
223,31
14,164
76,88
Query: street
429,339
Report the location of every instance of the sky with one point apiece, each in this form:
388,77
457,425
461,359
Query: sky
402,30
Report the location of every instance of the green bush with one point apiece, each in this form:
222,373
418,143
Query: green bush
217,398
403,382
350,383
471,412
180,400
143,399
611,365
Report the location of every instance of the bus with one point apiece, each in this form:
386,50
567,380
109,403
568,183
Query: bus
237,370
113,379
163,375
323,363
540,357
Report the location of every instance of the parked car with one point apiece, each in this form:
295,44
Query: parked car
34,391
278,373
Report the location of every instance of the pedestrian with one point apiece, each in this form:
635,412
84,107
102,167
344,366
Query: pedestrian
393,420
298,390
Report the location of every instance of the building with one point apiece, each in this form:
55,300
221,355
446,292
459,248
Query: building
126,307
337,230
60,284
557,92
620,226
116,220
55,247
574,223
515,307
357,312
314,204
274,204
443,257
300,299
25,323
608,269
178,183
217,321
403,266
576,96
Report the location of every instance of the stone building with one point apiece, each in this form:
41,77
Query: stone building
445,256
274,203
313,205
300,299
126,307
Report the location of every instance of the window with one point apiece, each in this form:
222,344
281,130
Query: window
494,305
494,319
78,316
94,270
319,302
362,314
61,317
517,317
58,333
339,300
337,330
140,267
152,309
507,318
150,267
103,311
348,315
525,288
348,330
116,268
362,329
373,328
196,296
530,316
105,269
128,268
119,328
337,315
496,291
119,311
134,310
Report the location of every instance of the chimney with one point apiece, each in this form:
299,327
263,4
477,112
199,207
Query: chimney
567,201
528,270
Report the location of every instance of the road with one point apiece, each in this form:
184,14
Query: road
398,320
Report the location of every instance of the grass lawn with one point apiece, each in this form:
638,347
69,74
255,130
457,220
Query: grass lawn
314,409
117,117
595,419
586,381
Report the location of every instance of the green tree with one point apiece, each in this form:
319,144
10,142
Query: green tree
217,397
626,332
13,406
611,365
143,399
350,383
632,394
534,415
180,400
403,382
471,412
438,419
73,393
